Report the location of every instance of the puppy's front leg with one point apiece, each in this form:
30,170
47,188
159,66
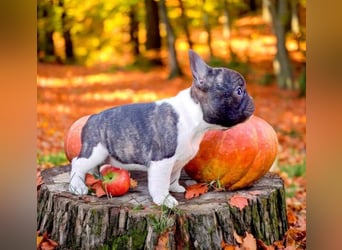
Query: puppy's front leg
159,174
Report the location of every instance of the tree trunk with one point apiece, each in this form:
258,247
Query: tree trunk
226,23
281,63
134,30
153,38
207,29
46,48
49,48
171,40
185,23
68,44
132,221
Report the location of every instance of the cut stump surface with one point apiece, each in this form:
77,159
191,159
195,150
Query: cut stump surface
133,221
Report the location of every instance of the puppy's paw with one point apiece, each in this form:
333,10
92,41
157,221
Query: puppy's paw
175,187
167,200
77,185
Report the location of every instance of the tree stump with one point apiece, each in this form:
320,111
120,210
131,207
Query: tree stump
132,221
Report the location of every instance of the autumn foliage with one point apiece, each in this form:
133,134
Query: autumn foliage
67,92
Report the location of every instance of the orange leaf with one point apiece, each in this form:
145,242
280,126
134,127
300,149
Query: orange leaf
44,243
133,183
90,180
263,246
238,201
291,217
249,242
195,190
95,185
226,246
99,191
163,241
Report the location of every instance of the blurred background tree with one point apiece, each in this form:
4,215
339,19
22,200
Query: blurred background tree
155,33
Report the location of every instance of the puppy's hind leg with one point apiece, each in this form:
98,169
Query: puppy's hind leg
175,186
80,166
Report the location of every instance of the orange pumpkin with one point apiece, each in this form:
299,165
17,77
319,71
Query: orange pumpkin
236,157
72,139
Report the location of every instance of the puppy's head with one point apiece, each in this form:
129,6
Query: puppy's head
221,92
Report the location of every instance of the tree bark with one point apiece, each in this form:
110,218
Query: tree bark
134,29
281,63
171,40
66,30
153,39
46,48
132,221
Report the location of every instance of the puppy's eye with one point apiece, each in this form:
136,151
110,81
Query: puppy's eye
239,91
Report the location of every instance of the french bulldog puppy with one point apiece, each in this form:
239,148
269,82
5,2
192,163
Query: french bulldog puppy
163,136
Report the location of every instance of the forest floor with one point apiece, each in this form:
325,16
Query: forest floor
68,92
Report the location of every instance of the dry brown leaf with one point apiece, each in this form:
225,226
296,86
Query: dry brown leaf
226,246
95,185
295,238
163,242
44,243
238,201
99,191
90,180
291,217
262,246
195,190
249,242
133,183
279,244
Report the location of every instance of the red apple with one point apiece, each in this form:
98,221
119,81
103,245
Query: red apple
116,181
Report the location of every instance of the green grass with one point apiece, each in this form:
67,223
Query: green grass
295,170
52,159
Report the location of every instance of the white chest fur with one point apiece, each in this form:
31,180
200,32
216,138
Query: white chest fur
191,126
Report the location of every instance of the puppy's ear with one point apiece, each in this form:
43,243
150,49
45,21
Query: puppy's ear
199,70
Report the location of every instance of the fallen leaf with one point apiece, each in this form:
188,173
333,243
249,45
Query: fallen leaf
226,246
195,190
95,185
279,244
262,246
99,191
163,242
39,239
133,183
295,238
249,242
291,218
238,201
44,243
90,180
